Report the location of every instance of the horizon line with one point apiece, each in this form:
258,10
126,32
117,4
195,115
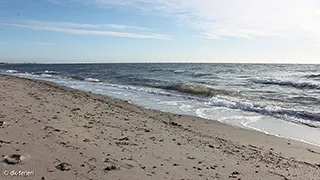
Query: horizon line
77,63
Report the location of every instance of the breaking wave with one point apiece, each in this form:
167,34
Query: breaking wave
277,112
45,72
92,80
11,71
51,72
200,74
178,71
88,79
194,89
298,85
313,76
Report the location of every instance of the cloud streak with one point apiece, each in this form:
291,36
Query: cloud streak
87,29
117,26
42,43
216,19
80,25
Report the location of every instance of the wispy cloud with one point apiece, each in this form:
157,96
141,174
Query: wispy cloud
57,24
42,43
117,26
81,25
216,19
87,29
2,42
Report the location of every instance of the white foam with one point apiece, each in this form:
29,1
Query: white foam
11,71
187,108
46,71
47,76
169,103
141,89
179,71
265,124
92,80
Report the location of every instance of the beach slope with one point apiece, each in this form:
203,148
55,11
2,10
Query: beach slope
52,132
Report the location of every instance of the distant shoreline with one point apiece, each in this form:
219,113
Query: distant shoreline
91,136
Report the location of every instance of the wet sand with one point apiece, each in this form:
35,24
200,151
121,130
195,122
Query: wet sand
52,132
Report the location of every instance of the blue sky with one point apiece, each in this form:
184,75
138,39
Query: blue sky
59,31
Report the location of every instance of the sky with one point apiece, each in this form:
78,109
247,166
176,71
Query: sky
103,31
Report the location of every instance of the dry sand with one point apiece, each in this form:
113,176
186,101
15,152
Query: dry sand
52,132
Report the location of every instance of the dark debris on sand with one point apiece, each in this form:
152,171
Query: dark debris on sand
63,166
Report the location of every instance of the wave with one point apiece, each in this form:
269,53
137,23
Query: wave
195,89
200,74
178,71
303,99
298,85
41,74
123,75
156,69
194,74
277,112
33,75
78,78
51,72
244,76
11,71
140,89
51,75
46,73
313,76
92,80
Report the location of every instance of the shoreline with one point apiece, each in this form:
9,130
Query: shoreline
246,127
141,143
203,118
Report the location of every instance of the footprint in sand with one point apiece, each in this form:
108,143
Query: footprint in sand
14,159
3,123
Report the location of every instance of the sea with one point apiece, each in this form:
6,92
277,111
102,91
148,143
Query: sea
277,99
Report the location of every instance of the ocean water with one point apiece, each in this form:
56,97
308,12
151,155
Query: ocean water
283,100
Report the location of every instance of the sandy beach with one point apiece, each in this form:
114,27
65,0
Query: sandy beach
50,132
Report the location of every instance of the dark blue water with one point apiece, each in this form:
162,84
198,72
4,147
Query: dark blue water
237,94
